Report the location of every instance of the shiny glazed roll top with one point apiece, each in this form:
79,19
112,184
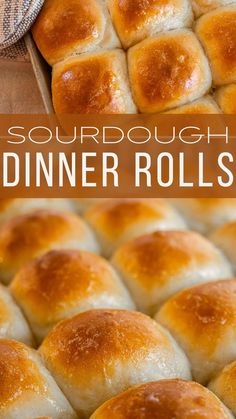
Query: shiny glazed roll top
62,283
27,236
156,266
217,33
64,28
165,399
201,7
95,83
118,220
27,388
97,354
136,20
203,321
167,71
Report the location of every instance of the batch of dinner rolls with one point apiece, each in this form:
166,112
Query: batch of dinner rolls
117,308
140,56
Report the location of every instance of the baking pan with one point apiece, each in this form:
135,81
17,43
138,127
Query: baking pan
42,73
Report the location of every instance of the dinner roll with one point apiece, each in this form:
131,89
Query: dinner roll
137,20
65,28
117,220
99,353
156,266
203,321
11,207
27,388
62,283
225,238
204,214
92,84
168,70
224,386
226,98
27,236
201,7
165,399
217,32
12,323
205,105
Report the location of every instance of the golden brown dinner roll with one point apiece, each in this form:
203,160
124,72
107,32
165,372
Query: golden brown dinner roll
165,399
156,266
27,388
224,386
12,323
27,236
11,207
168,70
226,98
94,83
118,220
62,283
97,354
203,321
205,105
217,32
204,214
201,7
64,28
136,20
225,238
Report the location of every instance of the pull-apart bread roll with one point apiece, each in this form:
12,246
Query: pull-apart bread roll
12,207
156,266
118,220
201,7
217,32
226,98
94,83
168,70
165,399
225,238
205,105
224,386
27,236
64,28
97,354
204,214
203,321
62,283
12,323
136,20
27,388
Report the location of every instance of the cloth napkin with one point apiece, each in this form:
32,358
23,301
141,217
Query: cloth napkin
18,87
16,18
